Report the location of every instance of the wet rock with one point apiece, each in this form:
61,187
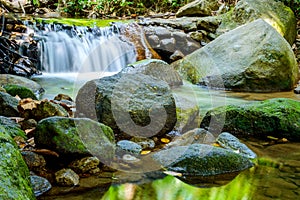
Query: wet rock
177,55
131,104
275,13
130,159
66,177
155,68
61,97
8,105
40,185
277,117
6,79
32,109
10,127
145,143
85,165
259,61
209,24
230,142
74,138
34,161
297,90
28,124
21,91
198,8
201,160
126,146
14,182
195,136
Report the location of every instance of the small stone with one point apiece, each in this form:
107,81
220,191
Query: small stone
85,164
146,143
129,147
40,185
66,177
297,90
34,161
130,159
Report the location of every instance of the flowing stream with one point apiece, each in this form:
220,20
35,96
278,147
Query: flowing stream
71,57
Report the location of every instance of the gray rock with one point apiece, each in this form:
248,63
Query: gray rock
201,160
40,185
126,146
228,141
195,136
209,24
74,138
198,8
131,104
66,177
260,60
275,13
14,182
8,105
155,68
177,55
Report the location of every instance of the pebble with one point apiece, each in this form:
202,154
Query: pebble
66,177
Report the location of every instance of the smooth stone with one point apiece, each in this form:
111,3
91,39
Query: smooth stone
66,177
128,147
40,185
84,165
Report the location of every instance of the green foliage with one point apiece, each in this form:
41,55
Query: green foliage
121,7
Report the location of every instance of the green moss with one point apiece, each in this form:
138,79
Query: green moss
80,22
21,91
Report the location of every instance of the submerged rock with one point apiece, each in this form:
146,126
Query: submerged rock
126,146
85,165
275,13
8,105
277,117
131,104
40,185
230,142
260,60
75,138
201,160
14,182
156,68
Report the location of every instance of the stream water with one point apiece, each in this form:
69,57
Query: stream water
276,174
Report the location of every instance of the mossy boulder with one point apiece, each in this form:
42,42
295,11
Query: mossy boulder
10,127
75,137
131,104
8,105
21,91
251,58
8,79
275,13
198,8
277,117
201,160
15,181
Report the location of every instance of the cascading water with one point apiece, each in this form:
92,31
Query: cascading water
81,49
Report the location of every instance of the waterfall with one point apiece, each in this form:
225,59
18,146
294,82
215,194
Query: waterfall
83,49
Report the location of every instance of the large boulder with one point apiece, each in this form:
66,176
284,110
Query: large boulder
253,57
131,104
275,117
8,105
75,138
7,79
201,160
156,68
198,8
14,182
275,13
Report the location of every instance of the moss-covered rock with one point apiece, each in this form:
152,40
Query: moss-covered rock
201,160
10,127
277,117
75,138
198,8
21,91
8,105
6,79
14,182
253,58
275,13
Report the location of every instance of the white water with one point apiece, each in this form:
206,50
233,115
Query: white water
79,50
